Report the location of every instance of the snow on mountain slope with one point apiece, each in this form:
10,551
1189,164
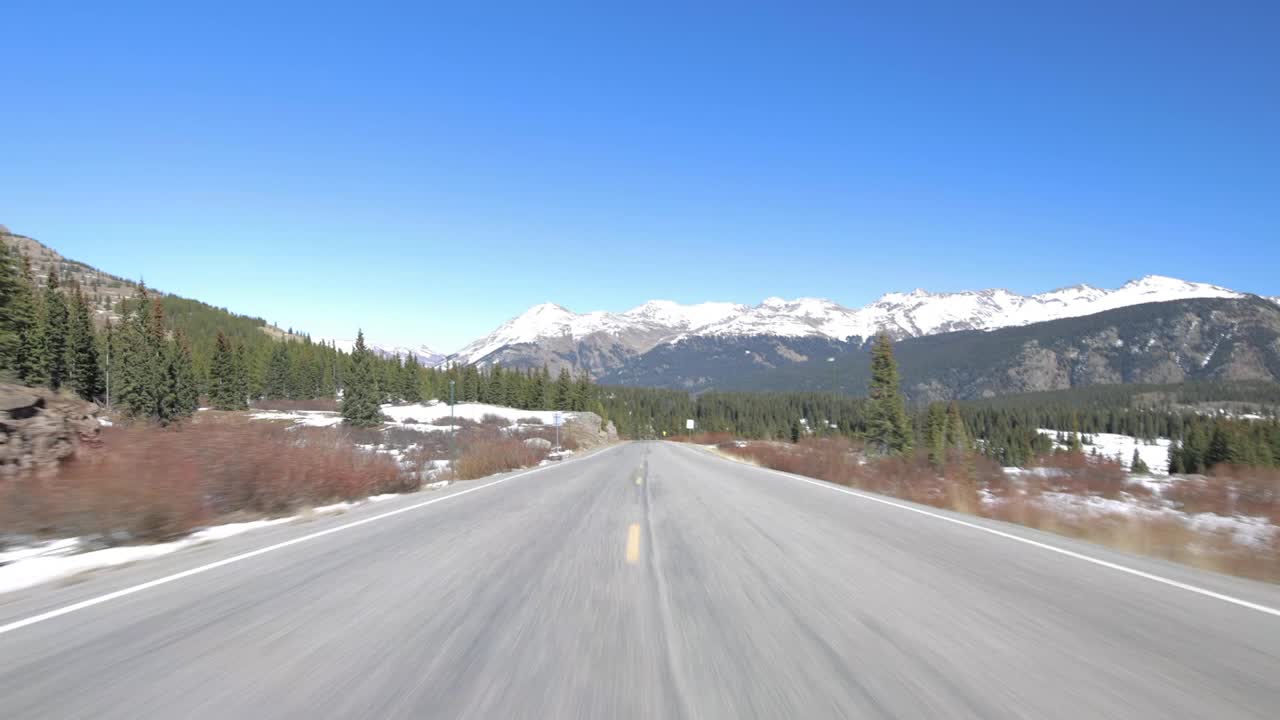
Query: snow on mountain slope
423,354
911,314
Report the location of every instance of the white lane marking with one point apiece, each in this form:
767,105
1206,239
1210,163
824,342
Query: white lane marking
65,610
1043,546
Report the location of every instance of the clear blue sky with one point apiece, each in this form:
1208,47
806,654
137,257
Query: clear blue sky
428,170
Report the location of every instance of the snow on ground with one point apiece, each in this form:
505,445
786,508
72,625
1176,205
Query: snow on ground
426,413
29,565
104,422
418,416
1245,530
1121,446
58,558
307,418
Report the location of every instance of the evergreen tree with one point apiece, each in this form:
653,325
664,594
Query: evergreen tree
563,391
1175,459
10,330
410,380
55,332
138,359
84,371
277,384
360,395
936,430
888,427
957,436
26,319
1220,449
224,376
1137,466
179,396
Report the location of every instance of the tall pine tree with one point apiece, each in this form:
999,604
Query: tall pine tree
888,428
360,392
179,396
84,371
224,381
55,332
27,322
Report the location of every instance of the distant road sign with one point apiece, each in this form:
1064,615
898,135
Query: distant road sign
559,419
688,424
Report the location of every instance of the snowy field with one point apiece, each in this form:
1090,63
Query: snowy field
418,416
1120,447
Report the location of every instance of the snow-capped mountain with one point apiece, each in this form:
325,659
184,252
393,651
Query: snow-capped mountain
424,355
553,334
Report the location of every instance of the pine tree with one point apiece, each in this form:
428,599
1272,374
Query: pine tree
277,385
179,395
1137,466
55,329
243,377
26,320
84,372
224,381
360,394
936,430
563,392
10,331
1175,459
139,359
888,427
410,382
957,436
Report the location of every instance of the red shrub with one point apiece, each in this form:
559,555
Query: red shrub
146,482
485,453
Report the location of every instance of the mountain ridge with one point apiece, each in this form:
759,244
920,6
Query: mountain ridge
600,341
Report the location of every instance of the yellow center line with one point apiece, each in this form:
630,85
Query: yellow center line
633,544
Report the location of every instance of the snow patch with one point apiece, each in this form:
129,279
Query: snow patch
1121,447
30,565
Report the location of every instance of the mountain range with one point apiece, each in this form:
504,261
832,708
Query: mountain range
601,342
423,354
950,345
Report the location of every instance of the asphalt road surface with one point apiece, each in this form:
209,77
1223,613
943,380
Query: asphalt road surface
649,580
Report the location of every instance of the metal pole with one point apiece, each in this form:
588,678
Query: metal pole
453,433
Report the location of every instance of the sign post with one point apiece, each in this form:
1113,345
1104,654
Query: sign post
558,420
689,425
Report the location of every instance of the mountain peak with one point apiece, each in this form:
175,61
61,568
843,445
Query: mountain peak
911,314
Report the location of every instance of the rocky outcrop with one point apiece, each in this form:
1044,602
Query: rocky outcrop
589,430
38,428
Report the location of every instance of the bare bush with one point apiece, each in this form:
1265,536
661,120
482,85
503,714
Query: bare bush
964,479
707,438
494,420
326,404
1081,474
150,483
486,453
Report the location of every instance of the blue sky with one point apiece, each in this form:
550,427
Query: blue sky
428,170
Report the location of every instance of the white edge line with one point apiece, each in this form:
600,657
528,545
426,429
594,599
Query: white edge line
1010,536
68,609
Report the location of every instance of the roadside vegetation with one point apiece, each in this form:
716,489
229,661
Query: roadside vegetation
1225,519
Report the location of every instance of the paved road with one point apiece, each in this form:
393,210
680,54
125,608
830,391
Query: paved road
646,581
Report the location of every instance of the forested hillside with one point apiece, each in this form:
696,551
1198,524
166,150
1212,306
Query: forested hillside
157,356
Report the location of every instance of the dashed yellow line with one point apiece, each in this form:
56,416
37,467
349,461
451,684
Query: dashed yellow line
633,544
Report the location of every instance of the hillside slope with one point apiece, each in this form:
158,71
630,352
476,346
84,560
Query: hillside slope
1168,342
